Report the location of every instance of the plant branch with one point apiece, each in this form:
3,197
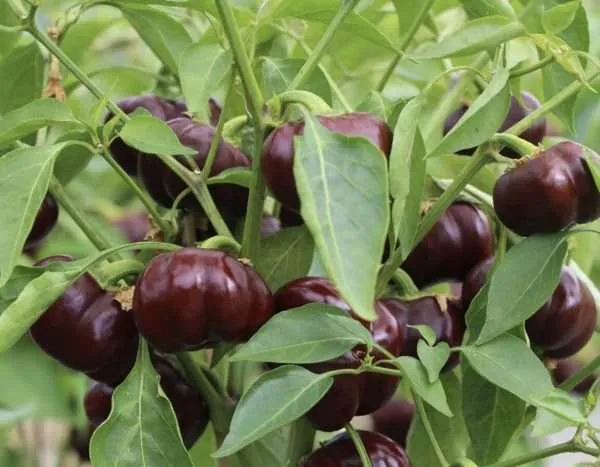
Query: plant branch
148,203
531,68
346,7
429,430
255,100
571,90
570,446
406,40
66,202
358,444
70,65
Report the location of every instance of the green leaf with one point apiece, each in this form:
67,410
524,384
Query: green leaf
508,363
450,432
142,428
407,12
308,334
27,371
22,77
407,175
202,69
475,36
323,12
432,393
33,116
276,399
523,282
152,136
493,416
433,358
7,39
560,17
164,35
343,188
426,332
73,159
20,277
240,176
482,120
278,73
563,405
285,256
479,8
24,183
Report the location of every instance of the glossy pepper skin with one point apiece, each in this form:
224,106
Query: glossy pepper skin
45,220
350,395
516,112
159,107
278,153
448,325
189,406
459,240
88,331
549,193
565,369
340,452
393,420
193,298
165,186
564,324
199,136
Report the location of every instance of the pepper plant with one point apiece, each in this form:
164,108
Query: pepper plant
314,233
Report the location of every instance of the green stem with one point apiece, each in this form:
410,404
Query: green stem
405,282
346,7
358,444
18,9
74,68
570,446
216,141
339,95
200,192
114,272
429,430
220,407
406,40
255,100
220,242
571,90
475,164
581,375
67,203
523,147
531,68
141,194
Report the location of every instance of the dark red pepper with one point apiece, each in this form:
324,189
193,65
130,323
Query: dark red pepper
516,112
350,395
165,186
189,406
341,452
564,324
549,193
159,107
448,324
459,240
45,220
394,419
88,331
278,153
194,298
